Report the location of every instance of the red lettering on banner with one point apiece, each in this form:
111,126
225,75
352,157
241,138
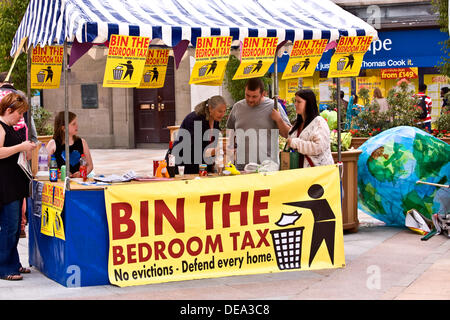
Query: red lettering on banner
161,210
209,203
205,42
141,247
144,218
118,257
117,221
227,209
160,246
258,206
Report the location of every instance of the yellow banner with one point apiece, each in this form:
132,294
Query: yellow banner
126,59
215,227
46,67
257,55
348,57
304,57
155,68
52,206
211,58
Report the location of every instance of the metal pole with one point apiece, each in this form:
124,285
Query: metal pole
66,111
275,83
29,114
338,98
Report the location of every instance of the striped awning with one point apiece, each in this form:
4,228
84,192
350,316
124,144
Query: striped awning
50,22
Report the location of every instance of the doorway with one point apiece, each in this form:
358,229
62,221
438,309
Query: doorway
154,110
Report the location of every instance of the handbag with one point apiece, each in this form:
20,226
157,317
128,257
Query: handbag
289,159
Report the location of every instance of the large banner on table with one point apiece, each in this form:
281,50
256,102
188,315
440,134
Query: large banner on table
258,223
347,59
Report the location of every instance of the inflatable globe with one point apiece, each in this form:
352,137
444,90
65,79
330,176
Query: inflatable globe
390,165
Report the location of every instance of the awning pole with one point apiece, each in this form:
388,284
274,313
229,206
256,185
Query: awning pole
30,111
66,114
275,83
338,99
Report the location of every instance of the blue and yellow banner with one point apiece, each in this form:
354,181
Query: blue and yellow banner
256,223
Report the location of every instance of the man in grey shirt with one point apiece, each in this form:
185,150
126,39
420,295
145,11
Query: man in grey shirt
255,125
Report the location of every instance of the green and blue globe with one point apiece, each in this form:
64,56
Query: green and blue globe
389,167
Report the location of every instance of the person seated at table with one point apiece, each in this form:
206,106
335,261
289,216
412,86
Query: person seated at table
77,145
206,116
310,134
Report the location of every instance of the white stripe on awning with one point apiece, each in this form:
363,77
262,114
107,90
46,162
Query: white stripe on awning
48,22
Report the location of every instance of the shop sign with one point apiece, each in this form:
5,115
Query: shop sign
46,67
257,55
304,57
211,58
259,223
52,206
398,73
155,68
348,57
125,62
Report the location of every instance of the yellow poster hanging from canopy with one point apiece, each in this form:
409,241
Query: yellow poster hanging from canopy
46,67
155,68
257,223
304,57
211,58
348,57
52,206
125,62
257,55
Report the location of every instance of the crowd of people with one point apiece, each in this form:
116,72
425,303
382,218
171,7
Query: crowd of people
253,127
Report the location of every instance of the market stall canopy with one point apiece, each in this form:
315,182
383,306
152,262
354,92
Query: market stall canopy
50,22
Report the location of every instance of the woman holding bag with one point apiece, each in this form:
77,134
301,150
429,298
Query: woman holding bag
310,135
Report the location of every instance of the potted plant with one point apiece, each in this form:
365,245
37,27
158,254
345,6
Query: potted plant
442,127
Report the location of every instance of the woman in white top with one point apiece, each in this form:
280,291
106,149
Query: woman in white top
310,135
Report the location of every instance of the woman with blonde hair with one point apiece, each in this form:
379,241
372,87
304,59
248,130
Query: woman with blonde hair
13,185
206,117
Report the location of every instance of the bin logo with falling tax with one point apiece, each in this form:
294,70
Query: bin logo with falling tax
41,76
341,64
288,241
118,72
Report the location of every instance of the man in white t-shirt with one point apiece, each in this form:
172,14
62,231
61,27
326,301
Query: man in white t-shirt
256,125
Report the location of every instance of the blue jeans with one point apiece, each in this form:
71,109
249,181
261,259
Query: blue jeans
10,219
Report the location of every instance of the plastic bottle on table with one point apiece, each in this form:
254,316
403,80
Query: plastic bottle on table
83,167
171,161
219,158
43,159
53,172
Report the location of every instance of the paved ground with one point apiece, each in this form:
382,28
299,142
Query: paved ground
382,263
